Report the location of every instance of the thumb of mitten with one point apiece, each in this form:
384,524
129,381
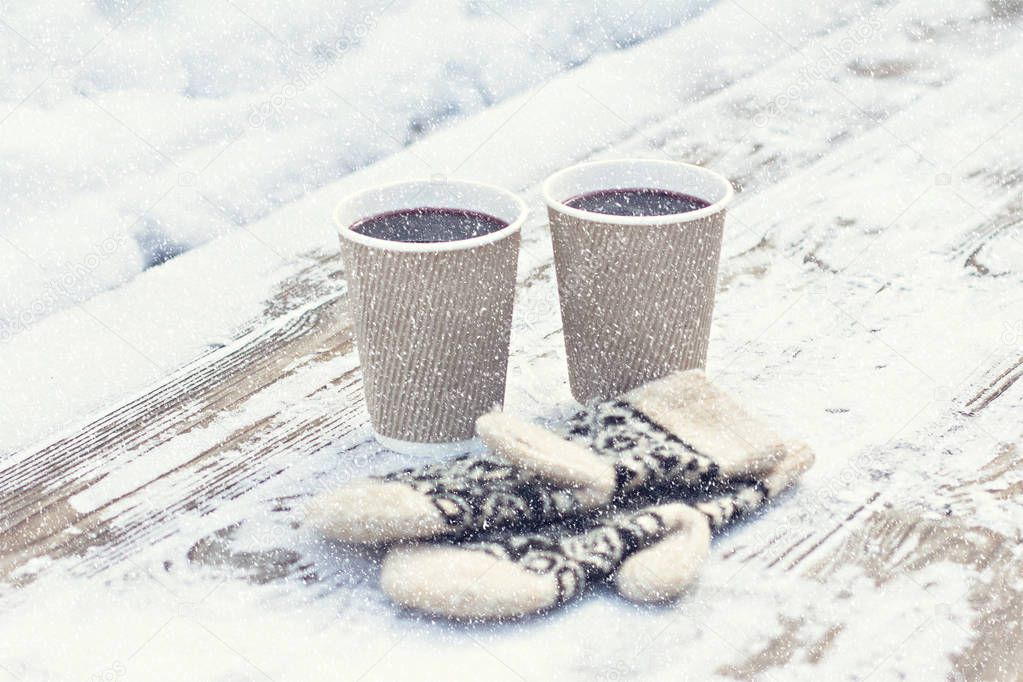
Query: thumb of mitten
549,456
662,571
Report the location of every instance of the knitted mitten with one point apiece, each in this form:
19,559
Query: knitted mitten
651,553
680,431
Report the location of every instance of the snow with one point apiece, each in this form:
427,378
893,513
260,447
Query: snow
877,417
233,627
135,131
128,337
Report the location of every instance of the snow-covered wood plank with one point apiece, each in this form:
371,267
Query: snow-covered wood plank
856,241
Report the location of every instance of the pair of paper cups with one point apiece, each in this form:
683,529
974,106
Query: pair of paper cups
433,320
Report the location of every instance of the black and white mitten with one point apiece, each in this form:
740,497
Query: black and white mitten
680,431
651,554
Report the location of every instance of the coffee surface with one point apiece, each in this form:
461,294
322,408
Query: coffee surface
637,201
427,225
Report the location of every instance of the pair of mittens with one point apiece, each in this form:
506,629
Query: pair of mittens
651,554
680,432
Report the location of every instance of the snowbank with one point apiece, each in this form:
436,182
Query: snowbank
132,132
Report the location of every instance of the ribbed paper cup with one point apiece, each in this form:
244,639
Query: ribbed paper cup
432,320
637,292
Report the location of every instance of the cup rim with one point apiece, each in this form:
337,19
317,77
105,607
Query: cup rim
345,230
670,219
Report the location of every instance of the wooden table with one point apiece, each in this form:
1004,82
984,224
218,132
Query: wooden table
869,303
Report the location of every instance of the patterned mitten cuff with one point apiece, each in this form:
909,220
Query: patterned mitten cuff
679,431
651,554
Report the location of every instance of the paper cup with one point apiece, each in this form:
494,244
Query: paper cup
636,293
432,320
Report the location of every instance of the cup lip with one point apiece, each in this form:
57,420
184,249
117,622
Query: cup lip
346,231
670,219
